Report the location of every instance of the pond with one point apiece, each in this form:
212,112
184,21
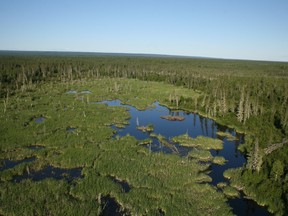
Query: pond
39,119
8,164
70,129
194,125
50,172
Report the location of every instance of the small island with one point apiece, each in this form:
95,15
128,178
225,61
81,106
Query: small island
148,128
173,118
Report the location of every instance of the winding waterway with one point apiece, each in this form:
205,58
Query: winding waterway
195,125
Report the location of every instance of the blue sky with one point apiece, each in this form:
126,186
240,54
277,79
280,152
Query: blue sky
246,29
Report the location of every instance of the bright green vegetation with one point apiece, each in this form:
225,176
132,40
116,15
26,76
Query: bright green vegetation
145,142
250,96
227,135
201,142
221,185
159,182
201,146
202,155
230,192
162,140
219,160
47,197
148,128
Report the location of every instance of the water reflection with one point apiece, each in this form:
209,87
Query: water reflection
194,125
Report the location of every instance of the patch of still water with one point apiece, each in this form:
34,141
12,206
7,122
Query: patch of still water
50,172
194,125
8,164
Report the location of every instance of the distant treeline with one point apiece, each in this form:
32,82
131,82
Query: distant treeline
250,94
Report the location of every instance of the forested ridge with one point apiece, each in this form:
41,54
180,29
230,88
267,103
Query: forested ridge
251,96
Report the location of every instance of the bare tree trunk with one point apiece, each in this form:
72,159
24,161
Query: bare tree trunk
240,111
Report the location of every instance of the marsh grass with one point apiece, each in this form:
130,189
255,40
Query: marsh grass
163,141
201,155
43,198
148,128
221,185
159,182
145,142
219,160
231,192
227,135
205,143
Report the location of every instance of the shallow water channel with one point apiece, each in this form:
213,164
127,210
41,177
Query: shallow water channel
195,125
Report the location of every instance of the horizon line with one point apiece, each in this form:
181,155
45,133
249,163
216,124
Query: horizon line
131,54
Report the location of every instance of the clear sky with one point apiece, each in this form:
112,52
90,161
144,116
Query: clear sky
246,29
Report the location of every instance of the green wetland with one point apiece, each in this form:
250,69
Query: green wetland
128,136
